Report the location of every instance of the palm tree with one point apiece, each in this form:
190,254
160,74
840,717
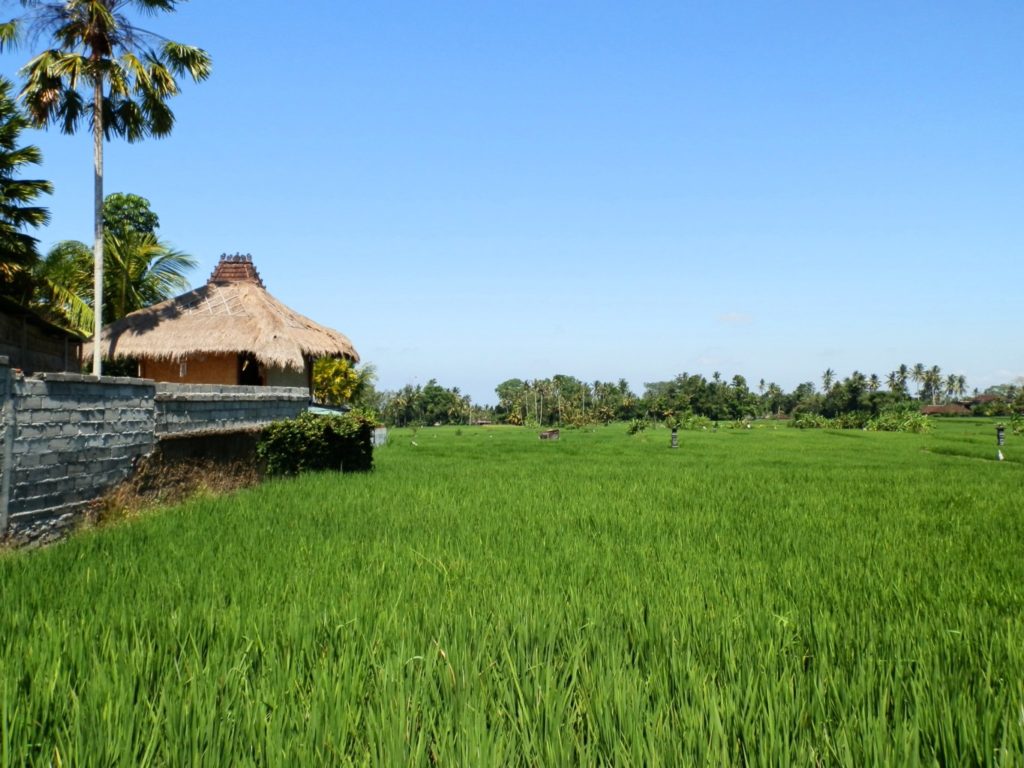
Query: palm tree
917,375
104,69
961,385
892,381
141,270
827,378
62,286
17,247
775,395
950,386
874,382
903,373
933,383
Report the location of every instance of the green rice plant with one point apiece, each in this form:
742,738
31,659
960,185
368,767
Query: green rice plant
756,597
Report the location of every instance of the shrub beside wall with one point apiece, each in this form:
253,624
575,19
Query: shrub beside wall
313,442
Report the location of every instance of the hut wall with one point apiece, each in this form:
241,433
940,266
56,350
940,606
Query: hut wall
32,348
199,369
286,377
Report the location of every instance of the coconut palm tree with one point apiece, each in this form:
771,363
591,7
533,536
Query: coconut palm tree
827,379
874,382
917,375
892,381
775,396
950,386
141,270
104,69
62,286
903,373
933,383
17,213
961,385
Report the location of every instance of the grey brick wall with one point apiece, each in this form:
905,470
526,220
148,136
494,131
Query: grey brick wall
66,439
191,408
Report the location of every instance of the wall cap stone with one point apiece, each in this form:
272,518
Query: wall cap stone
82,378
232,429
169,391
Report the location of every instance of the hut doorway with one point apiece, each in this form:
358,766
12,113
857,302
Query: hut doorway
249,370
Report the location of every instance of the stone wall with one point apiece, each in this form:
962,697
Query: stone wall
66,439
192,408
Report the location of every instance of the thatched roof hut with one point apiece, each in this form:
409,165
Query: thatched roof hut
229,331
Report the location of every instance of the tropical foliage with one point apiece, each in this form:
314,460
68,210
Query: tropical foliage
337,381
139,269
62,286
692,401
429,404
564,399
308,443
18,213
105,70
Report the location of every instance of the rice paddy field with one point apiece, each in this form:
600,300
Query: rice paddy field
758,597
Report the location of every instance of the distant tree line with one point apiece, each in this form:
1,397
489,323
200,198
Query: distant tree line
567,400
411,406
563,400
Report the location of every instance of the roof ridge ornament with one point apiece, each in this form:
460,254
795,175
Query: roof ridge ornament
235,268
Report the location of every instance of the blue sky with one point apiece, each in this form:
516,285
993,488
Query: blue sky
473,191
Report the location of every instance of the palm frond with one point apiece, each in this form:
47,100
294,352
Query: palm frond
9,34
63,280
187,60
141,270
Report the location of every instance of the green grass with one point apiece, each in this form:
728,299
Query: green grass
757,597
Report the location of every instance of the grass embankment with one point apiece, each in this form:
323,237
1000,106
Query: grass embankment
760,597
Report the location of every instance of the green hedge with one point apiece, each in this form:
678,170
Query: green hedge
313,442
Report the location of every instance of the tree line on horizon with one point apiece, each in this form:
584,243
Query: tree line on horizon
563,400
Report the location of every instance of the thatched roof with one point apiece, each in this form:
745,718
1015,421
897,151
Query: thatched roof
232,313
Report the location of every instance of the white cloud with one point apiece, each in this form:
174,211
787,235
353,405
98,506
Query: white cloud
735,318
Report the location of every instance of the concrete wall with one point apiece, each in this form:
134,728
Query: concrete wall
66,439
191,408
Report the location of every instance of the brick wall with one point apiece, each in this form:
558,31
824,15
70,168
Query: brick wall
66,439
187,408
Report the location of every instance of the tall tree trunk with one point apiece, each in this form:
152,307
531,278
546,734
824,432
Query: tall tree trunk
97,248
